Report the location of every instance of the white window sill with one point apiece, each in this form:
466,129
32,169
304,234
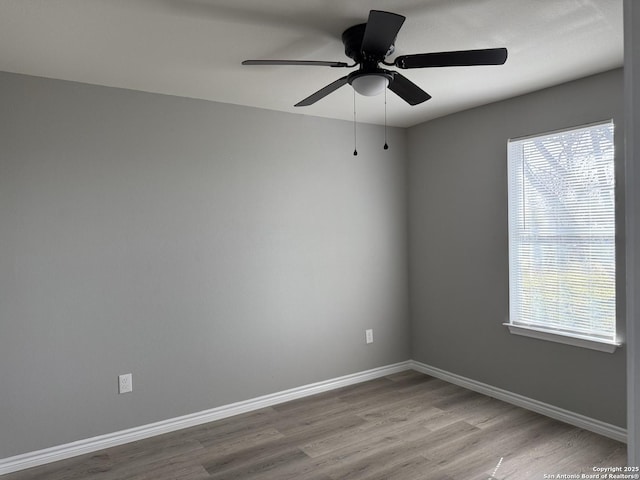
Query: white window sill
575,340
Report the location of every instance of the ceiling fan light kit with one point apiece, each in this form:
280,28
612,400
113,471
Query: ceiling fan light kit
370,84
369,44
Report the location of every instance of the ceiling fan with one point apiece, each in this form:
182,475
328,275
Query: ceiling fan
368,44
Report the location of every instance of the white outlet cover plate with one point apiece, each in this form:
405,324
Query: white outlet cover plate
125,383
368,335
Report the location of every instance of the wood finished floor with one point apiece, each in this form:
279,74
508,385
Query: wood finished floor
406,426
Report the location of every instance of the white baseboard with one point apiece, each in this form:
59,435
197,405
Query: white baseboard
596,426
81,447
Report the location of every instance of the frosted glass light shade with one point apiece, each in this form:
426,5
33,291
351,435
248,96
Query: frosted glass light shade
370,85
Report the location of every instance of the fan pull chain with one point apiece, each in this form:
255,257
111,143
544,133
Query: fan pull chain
386,147
355,150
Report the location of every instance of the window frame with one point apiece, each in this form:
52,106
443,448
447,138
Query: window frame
539,332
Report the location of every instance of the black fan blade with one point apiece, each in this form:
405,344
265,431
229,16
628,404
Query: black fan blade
407,90
295,62
381,31
323,92
463,58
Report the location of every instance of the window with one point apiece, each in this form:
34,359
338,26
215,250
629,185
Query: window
562,271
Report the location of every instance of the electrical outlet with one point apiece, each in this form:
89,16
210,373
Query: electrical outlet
368,335
125,383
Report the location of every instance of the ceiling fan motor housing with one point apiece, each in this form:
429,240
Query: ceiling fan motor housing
352,40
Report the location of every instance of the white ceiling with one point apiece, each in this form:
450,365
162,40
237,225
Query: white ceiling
193,48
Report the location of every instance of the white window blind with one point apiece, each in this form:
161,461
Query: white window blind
562,232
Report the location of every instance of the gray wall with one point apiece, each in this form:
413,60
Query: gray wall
216,252
459,251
